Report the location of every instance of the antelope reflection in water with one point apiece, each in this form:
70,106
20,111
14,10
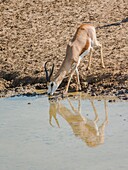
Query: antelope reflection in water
87,130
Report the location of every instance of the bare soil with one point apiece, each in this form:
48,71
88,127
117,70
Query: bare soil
35,31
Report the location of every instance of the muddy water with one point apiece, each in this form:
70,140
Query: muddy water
74,133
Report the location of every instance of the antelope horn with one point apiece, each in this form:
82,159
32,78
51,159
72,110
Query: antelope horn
51,71
48,75
46,72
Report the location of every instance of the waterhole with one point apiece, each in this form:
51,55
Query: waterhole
78,132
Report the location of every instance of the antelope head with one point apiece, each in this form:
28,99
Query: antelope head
52,86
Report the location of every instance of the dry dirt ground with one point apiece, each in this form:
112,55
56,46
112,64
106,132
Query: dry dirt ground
34,31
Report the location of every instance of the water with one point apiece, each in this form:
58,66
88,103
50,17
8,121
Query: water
72,141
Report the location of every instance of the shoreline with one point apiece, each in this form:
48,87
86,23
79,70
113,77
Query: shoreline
35,90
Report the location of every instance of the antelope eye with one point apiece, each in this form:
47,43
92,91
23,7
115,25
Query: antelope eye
52,84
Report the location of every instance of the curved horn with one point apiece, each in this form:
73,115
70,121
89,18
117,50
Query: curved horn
48,75
46,72
51,71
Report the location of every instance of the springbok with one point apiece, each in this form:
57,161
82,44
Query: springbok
82,43
84,128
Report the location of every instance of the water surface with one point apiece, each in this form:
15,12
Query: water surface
74,133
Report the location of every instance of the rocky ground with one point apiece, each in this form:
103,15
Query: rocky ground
34,31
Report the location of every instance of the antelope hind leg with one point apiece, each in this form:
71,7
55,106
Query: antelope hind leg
101,53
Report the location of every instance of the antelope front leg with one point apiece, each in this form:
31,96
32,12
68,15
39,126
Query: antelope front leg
78,80
70,77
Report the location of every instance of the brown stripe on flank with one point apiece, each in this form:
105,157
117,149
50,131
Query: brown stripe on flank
86,46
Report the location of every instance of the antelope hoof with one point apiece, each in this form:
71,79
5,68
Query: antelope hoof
78,88
64,92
